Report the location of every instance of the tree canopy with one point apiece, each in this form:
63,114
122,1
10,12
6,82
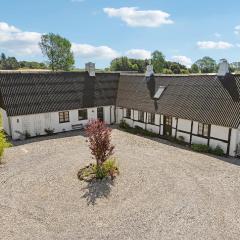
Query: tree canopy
206,65
58,51
11,63
126,64
158,61
8,63
160,65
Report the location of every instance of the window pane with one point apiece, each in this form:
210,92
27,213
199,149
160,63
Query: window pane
200,128
128,113
151,118
141,116
205,131
82,114
63,117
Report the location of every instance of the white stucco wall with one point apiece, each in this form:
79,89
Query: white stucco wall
214,143
35,124
119,114
5,121
185,135
219,132
199,140
184,125
235,140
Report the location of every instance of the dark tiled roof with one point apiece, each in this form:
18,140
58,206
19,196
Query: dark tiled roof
28,93
204,98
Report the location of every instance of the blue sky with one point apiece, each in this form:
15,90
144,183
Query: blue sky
102,29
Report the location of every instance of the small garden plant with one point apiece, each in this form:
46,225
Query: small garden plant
3,144
206,149
99,139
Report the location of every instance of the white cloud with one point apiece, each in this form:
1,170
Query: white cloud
139,18
138,54
18,42
4,27
90,51
237,30
214,45
183,60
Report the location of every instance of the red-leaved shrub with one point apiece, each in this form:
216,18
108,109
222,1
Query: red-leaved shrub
99,138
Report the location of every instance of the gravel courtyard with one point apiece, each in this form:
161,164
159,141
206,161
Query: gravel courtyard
162,192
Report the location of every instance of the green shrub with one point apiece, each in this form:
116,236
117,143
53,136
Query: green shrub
124,125
27,134
181,139
3,144
137,130
100,172
205,149
49,131
108,168
111,167
200,148
218,151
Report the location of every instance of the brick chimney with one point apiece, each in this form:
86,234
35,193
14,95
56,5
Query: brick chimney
149,71
90,68
223,68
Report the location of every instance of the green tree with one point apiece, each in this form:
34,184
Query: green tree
32,65
167,71
3,57
158,61
120,64
8,63
126,64
58,51
194,68
206,65
11,63
175,68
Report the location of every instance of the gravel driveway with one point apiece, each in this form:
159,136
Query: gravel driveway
163,192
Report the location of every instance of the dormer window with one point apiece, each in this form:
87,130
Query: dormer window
159,92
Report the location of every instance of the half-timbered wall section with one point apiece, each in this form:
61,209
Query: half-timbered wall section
192,132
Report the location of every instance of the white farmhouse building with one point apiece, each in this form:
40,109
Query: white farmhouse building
201,108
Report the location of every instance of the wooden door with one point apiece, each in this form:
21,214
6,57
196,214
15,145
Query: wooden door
167,126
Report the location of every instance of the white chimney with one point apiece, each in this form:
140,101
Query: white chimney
223,68
149,71
90,68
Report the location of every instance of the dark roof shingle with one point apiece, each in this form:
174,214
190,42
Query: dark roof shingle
29,93
204,98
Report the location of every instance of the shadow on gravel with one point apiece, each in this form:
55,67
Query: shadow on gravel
97,189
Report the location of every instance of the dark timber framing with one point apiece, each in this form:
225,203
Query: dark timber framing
191,133
177,130
209,134
229,140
